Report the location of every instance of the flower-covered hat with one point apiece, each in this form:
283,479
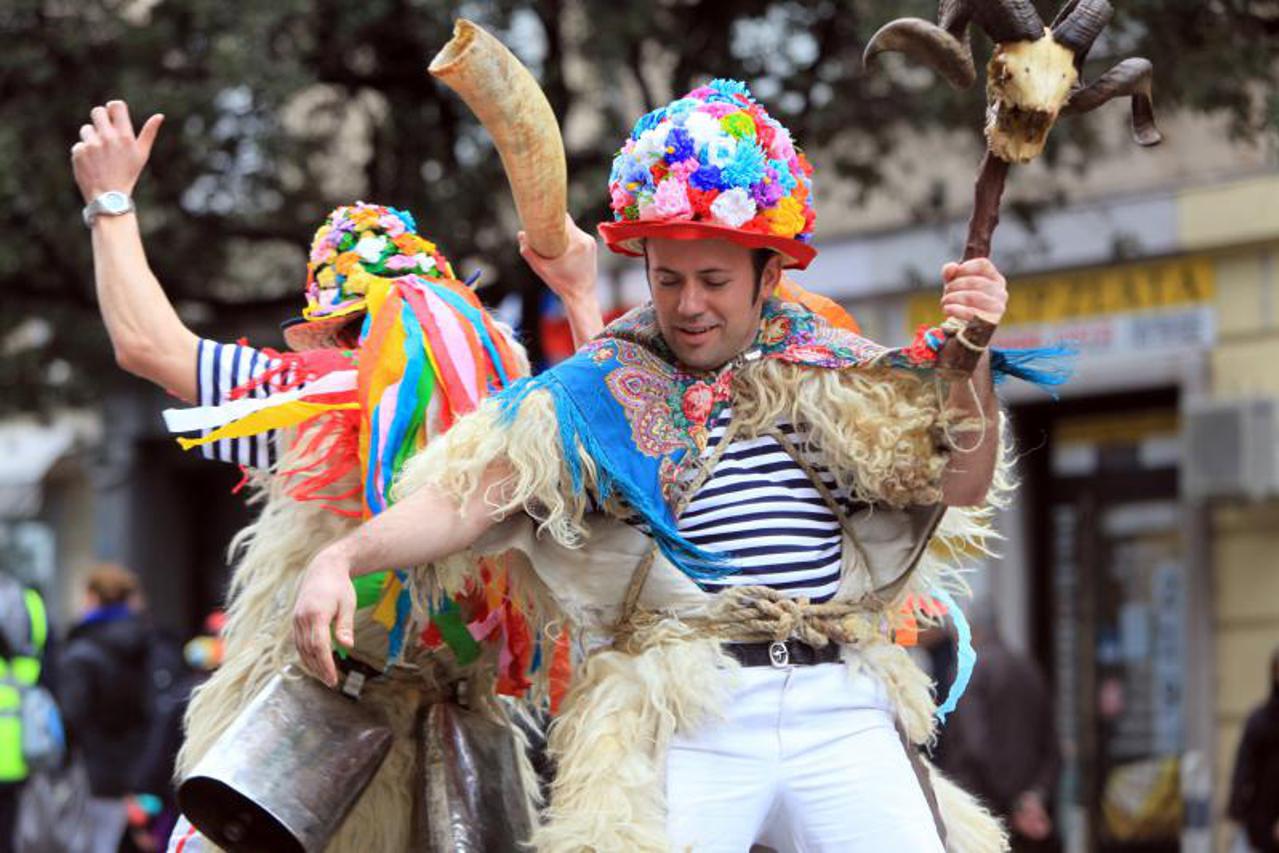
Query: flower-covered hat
355,243
713,164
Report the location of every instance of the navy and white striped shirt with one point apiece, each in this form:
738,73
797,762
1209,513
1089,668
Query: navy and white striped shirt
219,369
761,507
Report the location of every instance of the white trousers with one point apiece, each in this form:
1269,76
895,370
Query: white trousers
807,760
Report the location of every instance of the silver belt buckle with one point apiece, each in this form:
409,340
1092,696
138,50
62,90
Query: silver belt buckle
778,654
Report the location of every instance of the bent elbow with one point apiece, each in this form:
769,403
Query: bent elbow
136,357
129,357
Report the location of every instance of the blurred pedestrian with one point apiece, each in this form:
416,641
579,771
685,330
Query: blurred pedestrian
154,810
1001,742
105,689
1254,790
24,630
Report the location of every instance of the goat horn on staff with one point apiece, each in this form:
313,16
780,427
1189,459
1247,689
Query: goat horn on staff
1034,76
514,110
1079,23
1130,77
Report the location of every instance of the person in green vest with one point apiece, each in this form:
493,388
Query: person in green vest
24,635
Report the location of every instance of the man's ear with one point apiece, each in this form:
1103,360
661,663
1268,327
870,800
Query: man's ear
771,276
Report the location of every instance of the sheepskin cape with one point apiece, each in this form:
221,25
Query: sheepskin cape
875,419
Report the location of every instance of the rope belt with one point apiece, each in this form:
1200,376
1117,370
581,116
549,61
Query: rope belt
753,614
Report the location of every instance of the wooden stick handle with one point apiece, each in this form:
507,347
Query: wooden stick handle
961,356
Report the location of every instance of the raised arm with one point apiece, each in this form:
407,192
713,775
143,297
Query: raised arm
572,277
421,528
973,287
147,335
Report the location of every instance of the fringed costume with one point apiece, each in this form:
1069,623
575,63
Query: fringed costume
347,420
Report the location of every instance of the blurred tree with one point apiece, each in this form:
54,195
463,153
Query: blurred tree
279,111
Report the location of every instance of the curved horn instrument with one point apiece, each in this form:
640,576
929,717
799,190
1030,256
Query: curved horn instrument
930,44
1080,23
513,109
1008,20
1130,77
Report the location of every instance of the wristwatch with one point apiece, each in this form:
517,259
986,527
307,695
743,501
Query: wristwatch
113,203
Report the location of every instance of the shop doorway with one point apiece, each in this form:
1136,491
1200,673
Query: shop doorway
1110,596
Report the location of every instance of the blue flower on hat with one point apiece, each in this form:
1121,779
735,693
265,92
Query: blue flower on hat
782,168
679,146
648,121
746,167
407,218
635,176
678,110
729,87
707,177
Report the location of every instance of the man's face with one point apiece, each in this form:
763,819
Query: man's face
704,296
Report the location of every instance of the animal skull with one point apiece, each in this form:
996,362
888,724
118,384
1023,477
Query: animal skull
1027,84
1034,74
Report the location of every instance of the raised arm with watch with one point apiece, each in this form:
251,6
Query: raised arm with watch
148,337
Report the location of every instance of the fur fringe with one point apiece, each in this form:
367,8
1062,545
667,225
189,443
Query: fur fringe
875,429
456,462
970,828
610,741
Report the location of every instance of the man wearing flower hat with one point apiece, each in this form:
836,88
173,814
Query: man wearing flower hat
738,503
390,349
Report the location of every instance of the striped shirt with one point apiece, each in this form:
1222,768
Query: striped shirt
760,507
219,369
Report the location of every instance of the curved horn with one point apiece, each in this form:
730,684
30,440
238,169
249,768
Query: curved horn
930,44
1130,77
1008,20
1079,24
514,110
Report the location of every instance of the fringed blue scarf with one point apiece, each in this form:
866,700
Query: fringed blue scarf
624,402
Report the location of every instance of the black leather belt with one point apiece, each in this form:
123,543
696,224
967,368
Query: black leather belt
779,654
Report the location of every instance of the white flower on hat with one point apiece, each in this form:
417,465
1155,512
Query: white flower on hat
651,146
425,263
370,248
721,151
703,127
733,207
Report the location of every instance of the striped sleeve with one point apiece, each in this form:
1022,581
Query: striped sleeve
220,368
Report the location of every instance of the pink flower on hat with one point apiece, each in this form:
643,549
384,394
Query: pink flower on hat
392,225
671,200
620,197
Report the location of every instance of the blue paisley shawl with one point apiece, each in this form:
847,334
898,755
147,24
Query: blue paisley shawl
625,402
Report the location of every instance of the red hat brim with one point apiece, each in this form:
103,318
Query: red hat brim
627,237
302,334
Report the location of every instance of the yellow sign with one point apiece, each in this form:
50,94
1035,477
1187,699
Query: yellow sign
1064,297
1124,428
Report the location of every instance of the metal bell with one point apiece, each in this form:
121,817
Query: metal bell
470,797
288,770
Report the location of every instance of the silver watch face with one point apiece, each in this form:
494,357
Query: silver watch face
113,203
